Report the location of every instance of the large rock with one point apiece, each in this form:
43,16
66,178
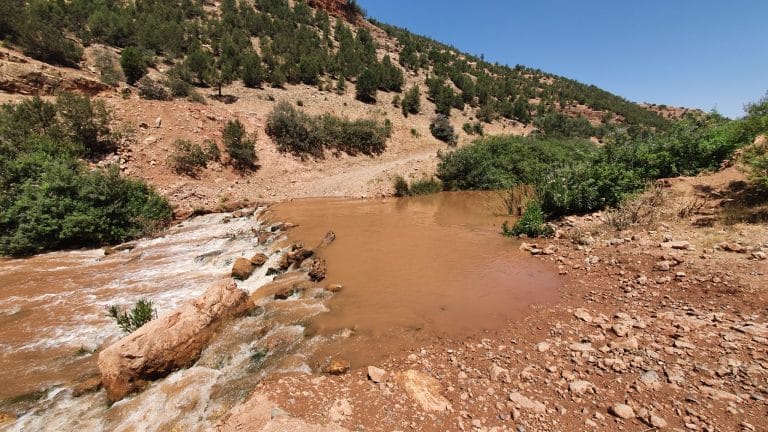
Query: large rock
169,343
242,269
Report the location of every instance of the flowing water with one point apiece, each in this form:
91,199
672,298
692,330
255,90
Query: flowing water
411,269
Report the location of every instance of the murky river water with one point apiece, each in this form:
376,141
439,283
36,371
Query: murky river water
411,269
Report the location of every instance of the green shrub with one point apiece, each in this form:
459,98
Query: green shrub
42,40
531,224
240,146
105,63
401,187
152,90
49,199
141,313
253,73
441,128
296,132
475,128
86,123
366,86
187,158
293,131
411,103
133,63
212,151
424,186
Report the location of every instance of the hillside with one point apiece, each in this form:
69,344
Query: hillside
300,53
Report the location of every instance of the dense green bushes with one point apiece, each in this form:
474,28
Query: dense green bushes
49,199
296,132
498,162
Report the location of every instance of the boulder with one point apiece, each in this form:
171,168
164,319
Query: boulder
242,269
169,343
376,375
526,403
295,257
621,410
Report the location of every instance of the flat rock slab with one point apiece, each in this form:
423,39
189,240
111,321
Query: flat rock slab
424,389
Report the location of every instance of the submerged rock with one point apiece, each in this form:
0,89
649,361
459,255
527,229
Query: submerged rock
169,343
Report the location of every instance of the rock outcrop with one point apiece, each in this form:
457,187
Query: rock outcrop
340,8
172,342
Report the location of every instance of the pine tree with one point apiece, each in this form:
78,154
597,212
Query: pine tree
365,89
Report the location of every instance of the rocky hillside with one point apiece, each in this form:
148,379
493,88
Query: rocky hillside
193,68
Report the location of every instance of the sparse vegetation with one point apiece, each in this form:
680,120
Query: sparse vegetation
475,128
141,313
187,158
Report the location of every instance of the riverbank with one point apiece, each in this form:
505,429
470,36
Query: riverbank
661,326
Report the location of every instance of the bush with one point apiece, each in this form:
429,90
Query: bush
141,313
86,123
187,158
296,132
105,63
43,41
500,162
442,129
401,187
293,131
411,103
531,224
424,186
253,73
475,128
133,63
152,90
239,145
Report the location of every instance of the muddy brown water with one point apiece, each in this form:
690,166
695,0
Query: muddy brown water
416,268
412,270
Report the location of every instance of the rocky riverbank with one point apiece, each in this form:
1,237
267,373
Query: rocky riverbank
663,326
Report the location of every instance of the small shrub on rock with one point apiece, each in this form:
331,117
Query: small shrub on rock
141,313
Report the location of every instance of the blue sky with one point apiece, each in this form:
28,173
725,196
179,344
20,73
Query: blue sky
696,53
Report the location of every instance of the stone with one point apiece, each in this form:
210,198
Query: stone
423,389
543,346
90,385
329,238
340,410
376,375
760,255
242,269
337,366
581,347
731,247
334,288
650,379
295,257
663,266
526,403
259,259
629,343
498,373
158,122
318,269
680,245
621,329
171,342
583,315
621,410
656,421
580,387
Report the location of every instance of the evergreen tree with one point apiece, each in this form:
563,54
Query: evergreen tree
252,71
412,101
133,63
365,89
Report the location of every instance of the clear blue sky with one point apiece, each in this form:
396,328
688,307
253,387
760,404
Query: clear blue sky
696,53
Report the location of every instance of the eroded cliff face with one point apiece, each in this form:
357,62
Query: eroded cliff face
339,8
